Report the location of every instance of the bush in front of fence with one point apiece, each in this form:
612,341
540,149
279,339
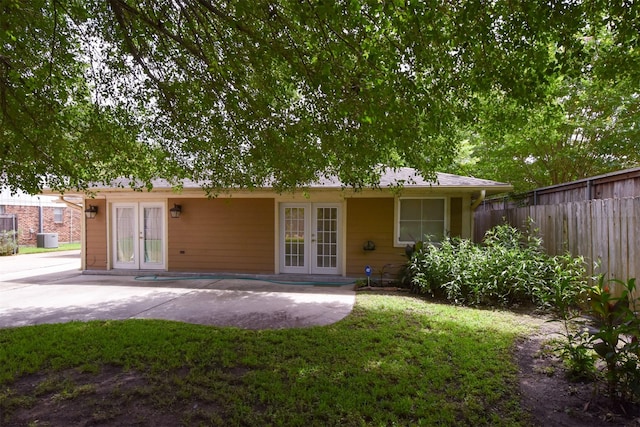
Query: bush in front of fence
508,268
616,340
8,242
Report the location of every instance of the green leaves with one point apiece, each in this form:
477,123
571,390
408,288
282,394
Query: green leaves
244,93
616,339
8,242
508,268
50,130
585,123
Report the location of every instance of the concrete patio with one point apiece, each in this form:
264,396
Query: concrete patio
50,288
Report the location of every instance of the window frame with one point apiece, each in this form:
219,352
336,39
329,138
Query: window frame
58,211
396,220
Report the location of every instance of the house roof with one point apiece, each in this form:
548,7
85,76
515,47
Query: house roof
23,199
409,177
413,178
404,177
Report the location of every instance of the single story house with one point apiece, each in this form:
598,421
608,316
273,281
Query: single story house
326,230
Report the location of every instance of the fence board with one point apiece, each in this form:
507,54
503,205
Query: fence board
585,233
536,225
596,234
634,241
562,220
547,219
613,225
631,239
588,238
568,227
621,241
523,215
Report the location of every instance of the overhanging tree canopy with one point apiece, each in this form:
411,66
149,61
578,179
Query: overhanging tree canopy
246,93
588,125
585,130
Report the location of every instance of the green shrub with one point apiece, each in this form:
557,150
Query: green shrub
8,243
508,268
617,340
573,348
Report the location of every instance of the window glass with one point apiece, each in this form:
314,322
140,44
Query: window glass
58,215
433,210
420,219
410,231
410,209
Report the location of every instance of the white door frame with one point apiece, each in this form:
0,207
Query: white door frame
306,255
138,235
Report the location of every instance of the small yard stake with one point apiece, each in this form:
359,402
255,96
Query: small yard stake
367,271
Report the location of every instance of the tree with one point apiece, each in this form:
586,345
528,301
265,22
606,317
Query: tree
587,126
52,129
248,93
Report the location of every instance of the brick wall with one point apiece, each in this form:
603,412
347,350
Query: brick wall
29,223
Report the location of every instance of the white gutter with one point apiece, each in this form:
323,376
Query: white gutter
70,204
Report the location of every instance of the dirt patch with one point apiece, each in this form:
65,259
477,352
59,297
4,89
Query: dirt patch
552,399
112,397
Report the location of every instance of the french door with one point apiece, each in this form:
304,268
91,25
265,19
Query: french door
138,235
310,238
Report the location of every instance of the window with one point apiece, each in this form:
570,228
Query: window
419,218
2,209
58,215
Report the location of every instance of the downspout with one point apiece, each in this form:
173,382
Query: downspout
479,200
40,219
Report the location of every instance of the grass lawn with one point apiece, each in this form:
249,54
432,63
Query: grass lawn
396,360
62,247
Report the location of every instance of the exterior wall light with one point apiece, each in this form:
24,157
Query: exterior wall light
91,211
175,211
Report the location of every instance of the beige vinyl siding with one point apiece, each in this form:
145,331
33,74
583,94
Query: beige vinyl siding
222,235
96,241
371,219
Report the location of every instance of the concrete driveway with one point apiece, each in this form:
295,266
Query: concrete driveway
49,288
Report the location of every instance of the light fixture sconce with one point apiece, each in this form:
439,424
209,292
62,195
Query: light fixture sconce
175,211
91,211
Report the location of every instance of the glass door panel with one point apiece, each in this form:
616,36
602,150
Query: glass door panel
125,236
152,237
294,225
326,240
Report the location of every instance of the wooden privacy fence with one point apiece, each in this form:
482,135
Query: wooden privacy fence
601,230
